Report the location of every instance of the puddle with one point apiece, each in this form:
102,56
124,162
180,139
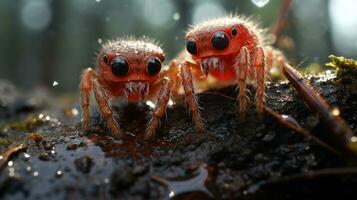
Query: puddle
197,185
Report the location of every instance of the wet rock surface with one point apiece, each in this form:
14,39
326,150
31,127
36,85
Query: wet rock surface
246,160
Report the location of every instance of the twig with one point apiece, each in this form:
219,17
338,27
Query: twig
281,19
298,129
5,157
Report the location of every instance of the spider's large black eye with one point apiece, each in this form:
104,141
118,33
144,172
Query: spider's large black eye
154,66
120,66
191,46
220,41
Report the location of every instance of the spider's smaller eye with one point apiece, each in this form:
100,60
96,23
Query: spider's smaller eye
106,59
120,66
154,66
191,46
234,31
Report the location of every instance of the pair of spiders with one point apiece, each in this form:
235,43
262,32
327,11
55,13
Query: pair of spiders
219,52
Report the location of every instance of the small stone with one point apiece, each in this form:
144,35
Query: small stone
36,137
48,146
84,164
269,137
44,156
72,146
259,157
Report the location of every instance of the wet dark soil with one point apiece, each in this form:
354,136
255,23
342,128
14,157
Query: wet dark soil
252,159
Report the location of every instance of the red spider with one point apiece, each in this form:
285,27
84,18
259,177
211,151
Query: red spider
234,51
226,51
131,69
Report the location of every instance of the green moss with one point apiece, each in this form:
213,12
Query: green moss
340,62
28,124
5,142
346,72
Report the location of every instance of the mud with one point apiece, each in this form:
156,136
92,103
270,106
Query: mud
252,159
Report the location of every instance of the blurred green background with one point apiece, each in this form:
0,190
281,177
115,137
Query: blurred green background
42,41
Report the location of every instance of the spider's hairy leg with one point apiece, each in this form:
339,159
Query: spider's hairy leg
174,76
259,64
191,99
243,63
162,99
86,87
102,100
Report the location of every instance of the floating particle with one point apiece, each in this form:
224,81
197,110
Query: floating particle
260,3
176,16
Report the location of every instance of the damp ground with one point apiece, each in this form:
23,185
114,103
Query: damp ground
234,159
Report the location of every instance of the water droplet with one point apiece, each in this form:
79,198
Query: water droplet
74,111
100,40
353,139
335,112
106,180
40,116
59,173
11,172
28,168
10,163
55,83
176,16
26,156
150,104
35,173
260,3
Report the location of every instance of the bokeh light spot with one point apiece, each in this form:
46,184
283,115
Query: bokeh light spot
207,10
36,14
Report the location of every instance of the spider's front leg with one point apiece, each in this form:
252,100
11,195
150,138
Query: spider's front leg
102,100
162,99
191,99
259,64
243,64
174,75
86,87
